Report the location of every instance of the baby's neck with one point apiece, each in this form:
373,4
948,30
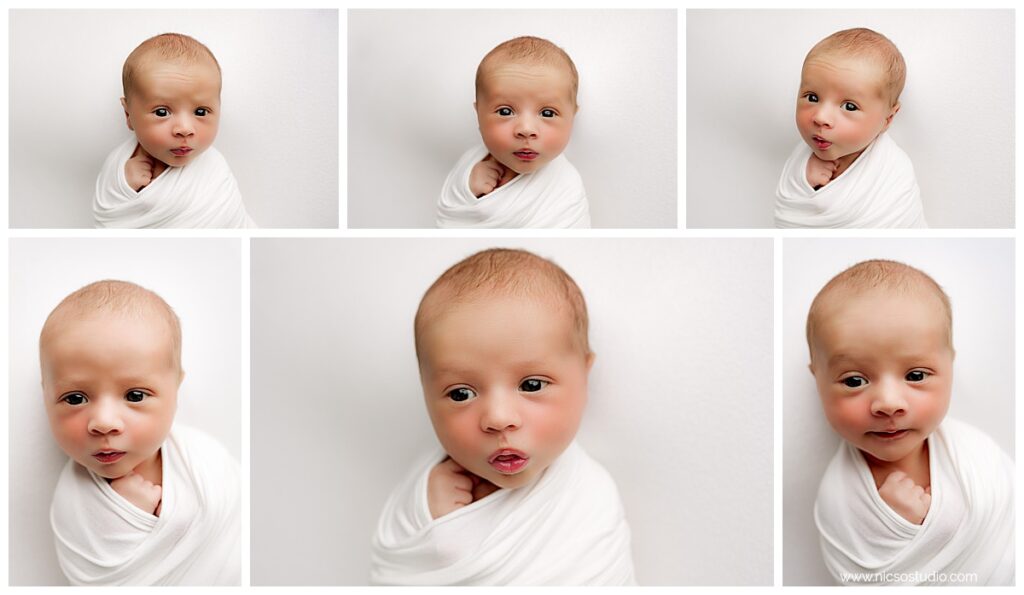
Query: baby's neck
152,469
915,465
844,163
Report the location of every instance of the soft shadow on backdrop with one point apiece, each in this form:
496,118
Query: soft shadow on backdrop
977,274
410,108
680,409
956,122
279,119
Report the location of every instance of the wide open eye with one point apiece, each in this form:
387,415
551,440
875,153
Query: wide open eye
74,399
917,376
161,112
135,396
548,113
461,394
811,97
504,111
850,106
202,111
532,385
855,381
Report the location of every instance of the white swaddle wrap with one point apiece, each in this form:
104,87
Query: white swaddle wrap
102,539
551,197
565,528
969,527
202,194
878,190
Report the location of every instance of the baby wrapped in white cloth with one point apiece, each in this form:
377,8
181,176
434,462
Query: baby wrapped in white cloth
566,528
878,190
201,194
967,536
102,539
551,197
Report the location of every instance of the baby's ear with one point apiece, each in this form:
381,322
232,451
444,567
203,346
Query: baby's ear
590,360
127,118
892,114
181,377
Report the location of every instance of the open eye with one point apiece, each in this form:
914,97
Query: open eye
461,394
74,399
850,106
135,396
917,376
532,385
548,113
811,97
161,112
504,111
202,111
855,381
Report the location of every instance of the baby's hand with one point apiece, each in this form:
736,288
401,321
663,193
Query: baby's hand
819,171
908,499
139,170
140,492
485,176
450,487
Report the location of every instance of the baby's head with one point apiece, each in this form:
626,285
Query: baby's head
850,89
526,102
110,357
881,343
172,97
501,339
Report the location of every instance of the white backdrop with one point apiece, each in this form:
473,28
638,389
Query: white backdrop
680,409
411,91
978,276
956,123
199,278
279,122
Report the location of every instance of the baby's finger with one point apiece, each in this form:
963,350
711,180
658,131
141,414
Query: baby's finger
449,464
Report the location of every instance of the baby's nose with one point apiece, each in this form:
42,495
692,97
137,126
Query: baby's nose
526,128
183,127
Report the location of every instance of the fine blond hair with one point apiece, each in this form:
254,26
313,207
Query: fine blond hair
872,275
503,271
861,42
529,50
110,296
167,47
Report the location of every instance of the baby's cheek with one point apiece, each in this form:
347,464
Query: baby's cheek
847,416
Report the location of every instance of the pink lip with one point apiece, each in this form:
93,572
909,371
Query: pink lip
508,460
821,143
526,155
108,456
889,435
181,151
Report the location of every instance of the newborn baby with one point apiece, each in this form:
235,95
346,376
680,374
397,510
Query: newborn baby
848,172
168,174
525,107
912,496
140,502
501,339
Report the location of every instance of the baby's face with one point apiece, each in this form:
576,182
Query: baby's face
110,385
505,385
525,112
174,110
842,106
884,370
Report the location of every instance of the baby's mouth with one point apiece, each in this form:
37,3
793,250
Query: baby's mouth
526,154
821,143
508,461
108,456
181,151
890,435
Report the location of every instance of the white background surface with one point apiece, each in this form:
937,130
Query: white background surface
978,276
279,122
956,123
411,91
680,408
199,278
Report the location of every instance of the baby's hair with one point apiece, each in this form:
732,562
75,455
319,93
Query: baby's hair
503,271
531,50
118,297
169,47
886,275
863,42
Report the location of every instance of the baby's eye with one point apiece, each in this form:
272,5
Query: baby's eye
532,385
74,399
161,112
850,106
548,113
917,376
202,111
504,111
461,394
855,381
135,396
812,97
